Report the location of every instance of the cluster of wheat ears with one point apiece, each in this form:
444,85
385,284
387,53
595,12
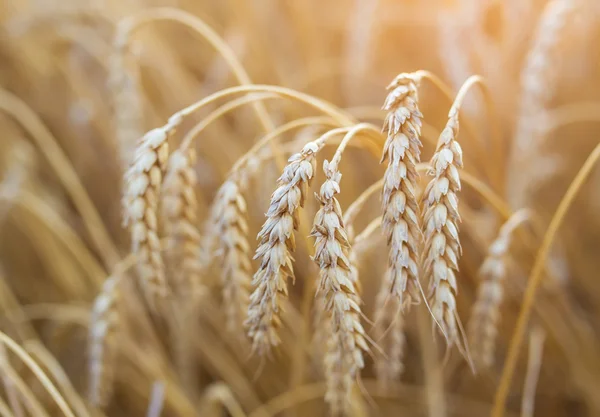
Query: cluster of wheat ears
197,306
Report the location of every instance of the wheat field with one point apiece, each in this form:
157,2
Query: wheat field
299,208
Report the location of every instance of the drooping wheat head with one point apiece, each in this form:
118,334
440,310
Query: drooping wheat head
275,248
440,223
102,343
234,250
483,325
127,99
140,205
400,207
179,206
347,340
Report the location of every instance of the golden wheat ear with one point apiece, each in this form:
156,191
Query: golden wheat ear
102,343
347,339
483,325
400,207
143,181
440,222
179,205
274,250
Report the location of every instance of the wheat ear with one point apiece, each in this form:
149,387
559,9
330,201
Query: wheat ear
400,208
234,250
103,346
440,221
274,250
140,204
347,340
179,205
483,325
127,104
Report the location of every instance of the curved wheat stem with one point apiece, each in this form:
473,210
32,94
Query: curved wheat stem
440,222
400,209
347,341
274,251
483,326
179,205
103,347
140,203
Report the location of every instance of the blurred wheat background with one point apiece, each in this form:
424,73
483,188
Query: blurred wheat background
153,316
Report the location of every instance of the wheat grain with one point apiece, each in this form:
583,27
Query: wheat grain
103,346
400,209
140,205
179,205
274,251
347,341
440,221
483,325
234,251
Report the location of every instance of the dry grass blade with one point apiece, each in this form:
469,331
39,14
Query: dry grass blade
103,347
440,222
400,208
347,340
483,325
140,205
274,251
180,205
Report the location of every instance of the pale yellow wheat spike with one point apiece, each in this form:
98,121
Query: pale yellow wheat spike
483,325
234,250
179,205
388,333
274,250
440,222
400,208
140,204
127,100
103,343
347,339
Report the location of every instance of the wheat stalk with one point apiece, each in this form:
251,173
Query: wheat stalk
483,325
103,347
140,204
179,205
400,208
347,341
440,222
274,250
